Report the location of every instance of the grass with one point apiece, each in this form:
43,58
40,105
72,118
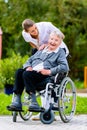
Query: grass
4,101
81,106
79,84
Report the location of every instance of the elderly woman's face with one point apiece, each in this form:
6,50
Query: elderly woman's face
54,41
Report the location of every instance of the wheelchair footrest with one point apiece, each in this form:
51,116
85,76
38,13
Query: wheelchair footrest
14,109
41,109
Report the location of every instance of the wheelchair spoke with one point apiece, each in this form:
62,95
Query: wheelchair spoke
67,100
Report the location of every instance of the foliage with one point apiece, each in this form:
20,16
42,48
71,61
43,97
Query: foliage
69,16
8,66
11,19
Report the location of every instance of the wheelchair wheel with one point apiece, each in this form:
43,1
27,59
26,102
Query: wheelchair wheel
25,114
47,117
67,100
14,113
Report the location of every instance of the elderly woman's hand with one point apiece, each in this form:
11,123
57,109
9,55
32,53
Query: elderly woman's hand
45,71
29,68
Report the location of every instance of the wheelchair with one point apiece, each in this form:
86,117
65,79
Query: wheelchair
62,88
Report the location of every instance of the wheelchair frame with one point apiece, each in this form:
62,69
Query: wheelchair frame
66,95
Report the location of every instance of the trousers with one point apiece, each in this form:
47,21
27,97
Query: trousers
30,80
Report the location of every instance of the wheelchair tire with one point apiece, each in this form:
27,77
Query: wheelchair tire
47,117
67,100
14,116
25,114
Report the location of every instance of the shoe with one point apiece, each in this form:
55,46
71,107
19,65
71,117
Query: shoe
16,104
14,108
34,107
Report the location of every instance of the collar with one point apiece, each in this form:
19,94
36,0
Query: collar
56,50
46,50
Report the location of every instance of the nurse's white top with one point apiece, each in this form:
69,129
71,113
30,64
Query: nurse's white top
44,28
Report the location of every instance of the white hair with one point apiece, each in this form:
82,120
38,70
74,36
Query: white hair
56,33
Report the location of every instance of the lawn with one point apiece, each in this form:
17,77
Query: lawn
81,105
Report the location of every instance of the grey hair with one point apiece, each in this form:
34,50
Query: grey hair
56,33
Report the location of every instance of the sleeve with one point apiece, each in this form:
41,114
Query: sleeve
28,38
28,63
62,64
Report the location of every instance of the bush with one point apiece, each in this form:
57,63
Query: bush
8,66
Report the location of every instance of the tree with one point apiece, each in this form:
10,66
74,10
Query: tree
69,16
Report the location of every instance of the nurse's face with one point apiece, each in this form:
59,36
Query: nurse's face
33,31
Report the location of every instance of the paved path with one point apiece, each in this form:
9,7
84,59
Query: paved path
82,94
77,123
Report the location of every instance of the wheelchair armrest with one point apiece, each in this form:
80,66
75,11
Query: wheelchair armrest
59,77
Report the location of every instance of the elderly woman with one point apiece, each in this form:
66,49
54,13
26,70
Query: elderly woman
38,68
